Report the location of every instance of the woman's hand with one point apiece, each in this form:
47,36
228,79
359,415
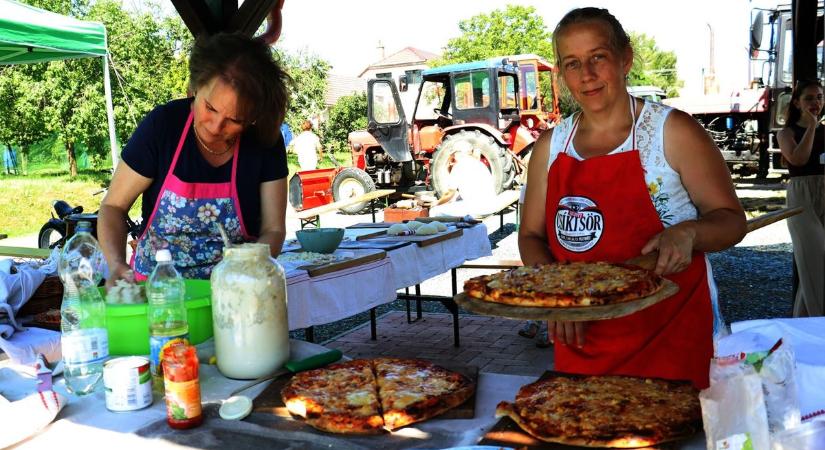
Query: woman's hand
675,246
120,271
567,333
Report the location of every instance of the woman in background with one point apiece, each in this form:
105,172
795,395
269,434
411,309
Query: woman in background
802,143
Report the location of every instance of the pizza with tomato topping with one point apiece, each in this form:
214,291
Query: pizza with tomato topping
565,284
371,396
606,411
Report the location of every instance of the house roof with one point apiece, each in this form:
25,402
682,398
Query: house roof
340,86
407,56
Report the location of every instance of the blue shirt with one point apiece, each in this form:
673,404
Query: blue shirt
151,148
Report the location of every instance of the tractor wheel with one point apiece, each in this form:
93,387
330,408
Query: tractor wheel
497,159
352,182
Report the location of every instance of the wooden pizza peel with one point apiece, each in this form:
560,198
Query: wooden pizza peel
602,312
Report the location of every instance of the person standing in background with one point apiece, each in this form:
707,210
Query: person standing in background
307,146
802,142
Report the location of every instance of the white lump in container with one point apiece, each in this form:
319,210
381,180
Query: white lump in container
249,312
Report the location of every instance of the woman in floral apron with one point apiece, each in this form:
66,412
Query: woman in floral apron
214,159
658,183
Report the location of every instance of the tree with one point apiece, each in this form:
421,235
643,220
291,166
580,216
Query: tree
652,66
347,114
515,30
309,77
149,68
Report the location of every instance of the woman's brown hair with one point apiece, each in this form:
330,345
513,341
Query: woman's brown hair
619,40
246,64
794,114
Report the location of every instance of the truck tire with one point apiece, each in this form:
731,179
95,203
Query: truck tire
499,161
352,182
52,234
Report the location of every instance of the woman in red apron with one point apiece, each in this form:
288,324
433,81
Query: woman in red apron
597,168
214,159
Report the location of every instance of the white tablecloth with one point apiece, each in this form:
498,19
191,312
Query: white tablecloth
806,337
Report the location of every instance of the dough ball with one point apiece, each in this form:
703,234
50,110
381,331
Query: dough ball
397,229
440,226
414,224
426,229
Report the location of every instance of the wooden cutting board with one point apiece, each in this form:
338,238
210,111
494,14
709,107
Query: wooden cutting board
421,241
574,314
269,402
373,225
363,257
506,433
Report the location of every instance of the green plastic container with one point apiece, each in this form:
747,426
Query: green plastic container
129,329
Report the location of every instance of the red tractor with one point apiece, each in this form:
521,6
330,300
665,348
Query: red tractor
497,106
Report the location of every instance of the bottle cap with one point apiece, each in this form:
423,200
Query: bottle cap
163,255
235,408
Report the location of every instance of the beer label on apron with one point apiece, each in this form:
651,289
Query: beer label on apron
579,224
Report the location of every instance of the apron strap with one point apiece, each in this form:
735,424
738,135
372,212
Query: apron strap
632,127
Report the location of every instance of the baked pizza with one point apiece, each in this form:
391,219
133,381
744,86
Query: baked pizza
606,411
370,396
565,284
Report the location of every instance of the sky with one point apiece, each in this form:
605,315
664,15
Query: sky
346,33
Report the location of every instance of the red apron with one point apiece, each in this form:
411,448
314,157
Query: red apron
599,209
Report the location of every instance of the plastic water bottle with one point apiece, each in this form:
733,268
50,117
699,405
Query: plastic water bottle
165,291
84,339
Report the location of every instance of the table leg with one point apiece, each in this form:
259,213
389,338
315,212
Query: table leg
418,302
453,308
372,209
407,301
454,273
309,333
373,331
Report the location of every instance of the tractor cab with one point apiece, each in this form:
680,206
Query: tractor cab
476,94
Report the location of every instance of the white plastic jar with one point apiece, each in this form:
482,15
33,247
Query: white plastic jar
249,315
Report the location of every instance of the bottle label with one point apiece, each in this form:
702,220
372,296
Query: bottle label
87,345
183,399
156,346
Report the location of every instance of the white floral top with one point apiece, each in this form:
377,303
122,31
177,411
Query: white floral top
667,193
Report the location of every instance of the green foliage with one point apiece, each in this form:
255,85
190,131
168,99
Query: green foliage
349,113
515,30
66,98
309,76
652,66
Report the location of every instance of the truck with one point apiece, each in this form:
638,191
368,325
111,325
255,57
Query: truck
743,124
498,106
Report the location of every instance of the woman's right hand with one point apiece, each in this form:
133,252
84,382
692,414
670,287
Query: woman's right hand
567,333
121,271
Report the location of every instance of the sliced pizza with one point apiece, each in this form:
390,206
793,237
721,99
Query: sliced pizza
340,398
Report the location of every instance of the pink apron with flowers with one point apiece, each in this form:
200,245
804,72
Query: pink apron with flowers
184,221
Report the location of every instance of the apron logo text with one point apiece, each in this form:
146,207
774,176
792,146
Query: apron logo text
579,224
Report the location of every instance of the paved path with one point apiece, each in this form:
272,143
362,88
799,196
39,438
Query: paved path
492,344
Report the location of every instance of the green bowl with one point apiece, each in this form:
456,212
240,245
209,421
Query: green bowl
320,240
129,328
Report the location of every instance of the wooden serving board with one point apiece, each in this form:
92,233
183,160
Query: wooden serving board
573,314
269,401
421,241
365,256
373,225
506,433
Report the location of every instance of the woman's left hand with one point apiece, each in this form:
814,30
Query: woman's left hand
675,246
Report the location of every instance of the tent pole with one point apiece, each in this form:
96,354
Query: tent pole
110,113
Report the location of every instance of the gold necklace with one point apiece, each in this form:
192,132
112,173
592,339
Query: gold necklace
206,147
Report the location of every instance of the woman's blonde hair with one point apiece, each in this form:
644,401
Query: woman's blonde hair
619,40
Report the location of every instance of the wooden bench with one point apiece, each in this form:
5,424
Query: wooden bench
24,252
504,202
312,216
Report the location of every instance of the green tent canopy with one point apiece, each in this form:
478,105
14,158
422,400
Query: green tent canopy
32,35
29,34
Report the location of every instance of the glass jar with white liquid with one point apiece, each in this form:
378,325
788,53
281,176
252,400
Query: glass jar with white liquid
249,312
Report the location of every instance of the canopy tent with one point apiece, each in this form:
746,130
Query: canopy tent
30,35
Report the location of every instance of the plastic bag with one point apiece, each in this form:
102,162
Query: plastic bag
778,374
733,407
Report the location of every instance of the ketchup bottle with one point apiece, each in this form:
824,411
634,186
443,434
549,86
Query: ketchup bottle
183,391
